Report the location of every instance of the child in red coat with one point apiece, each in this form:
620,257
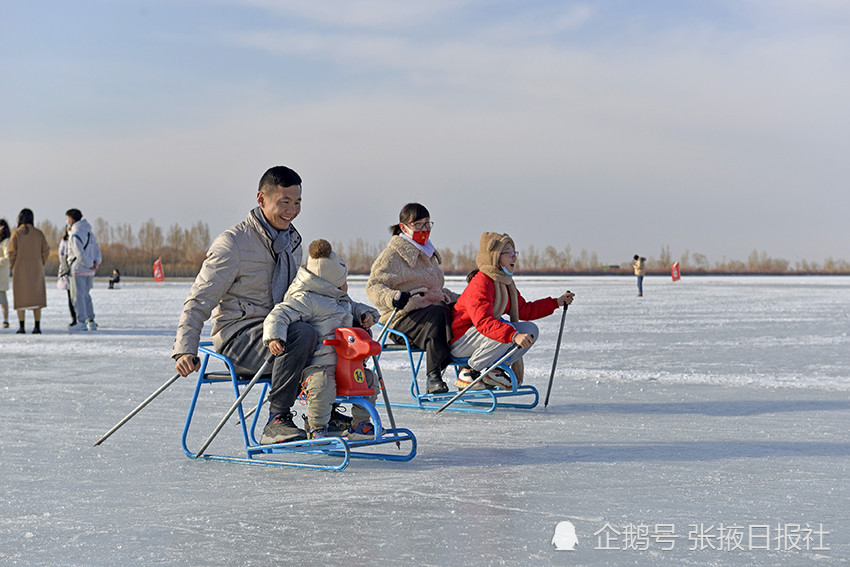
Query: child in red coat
479,330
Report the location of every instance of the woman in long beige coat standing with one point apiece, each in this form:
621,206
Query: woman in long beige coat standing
28,251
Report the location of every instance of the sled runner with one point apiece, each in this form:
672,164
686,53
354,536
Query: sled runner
520,396
352,346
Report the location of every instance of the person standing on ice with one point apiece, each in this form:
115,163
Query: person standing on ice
639,265
478,327
5,233
407,276
28,252
83,259
318,296
247,271
63,276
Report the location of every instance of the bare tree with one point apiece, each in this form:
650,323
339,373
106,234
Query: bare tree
701,261
550,253
52,233
176,237
150,237
102,231
123,234
530,259
666,258
198,238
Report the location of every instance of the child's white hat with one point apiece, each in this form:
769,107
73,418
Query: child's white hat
324,263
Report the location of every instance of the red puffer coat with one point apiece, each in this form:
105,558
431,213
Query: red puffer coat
475,307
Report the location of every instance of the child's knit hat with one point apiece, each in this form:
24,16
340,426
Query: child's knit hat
324,263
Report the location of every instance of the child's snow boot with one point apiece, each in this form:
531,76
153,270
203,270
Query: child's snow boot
466,377
499,379
361,432
318,432
339,423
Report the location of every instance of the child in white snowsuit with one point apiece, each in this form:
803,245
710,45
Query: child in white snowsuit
318,296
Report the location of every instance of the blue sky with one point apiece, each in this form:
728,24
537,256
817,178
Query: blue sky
616,127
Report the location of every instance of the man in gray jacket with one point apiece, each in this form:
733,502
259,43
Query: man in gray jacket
247,271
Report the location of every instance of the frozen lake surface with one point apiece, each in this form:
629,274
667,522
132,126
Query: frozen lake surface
703,424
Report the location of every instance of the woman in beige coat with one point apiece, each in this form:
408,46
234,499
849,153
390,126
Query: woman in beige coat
407,276
28,251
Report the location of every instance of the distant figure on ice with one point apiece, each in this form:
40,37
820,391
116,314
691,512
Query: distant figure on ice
28,251
407,266
480,332
63,278
318,296
83,259
247,271
639,265
5,233
116,277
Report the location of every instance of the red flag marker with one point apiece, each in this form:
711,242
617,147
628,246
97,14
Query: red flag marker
158,274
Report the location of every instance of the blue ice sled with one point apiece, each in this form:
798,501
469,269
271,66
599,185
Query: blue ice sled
474,401
310,453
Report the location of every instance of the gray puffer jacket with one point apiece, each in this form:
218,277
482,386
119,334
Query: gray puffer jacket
234,285
315,301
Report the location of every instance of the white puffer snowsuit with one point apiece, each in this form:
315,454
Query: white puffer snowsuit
83,252
315,301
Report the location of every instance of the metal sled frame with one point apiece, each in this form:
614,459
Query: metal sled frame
309,452
474,401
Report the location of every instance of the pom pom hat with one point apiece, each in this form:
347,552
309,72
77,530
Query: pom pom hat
324,263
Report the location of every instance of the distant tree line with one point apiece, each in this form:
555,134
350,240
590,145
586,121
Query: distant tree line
183,250
134,252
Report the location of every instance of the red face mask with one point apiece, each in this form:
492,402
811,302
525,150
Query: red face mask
420,236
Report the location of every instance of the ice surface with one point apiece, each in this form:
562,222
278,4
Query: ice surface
710,401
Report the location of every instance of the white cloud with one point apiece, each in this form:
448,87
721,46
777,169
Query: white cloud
362,14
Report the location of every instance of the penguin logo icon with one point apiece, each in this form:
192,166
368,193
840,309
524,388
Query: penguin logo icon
565,536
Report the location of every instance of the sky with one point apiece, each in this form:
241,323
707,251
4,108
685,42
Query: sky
616,127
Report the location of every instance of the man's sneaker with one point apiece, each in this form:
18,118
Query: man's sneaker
318,432
362,431
281,429
466,377
435,385
339,423
79,326
91,325
499,379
